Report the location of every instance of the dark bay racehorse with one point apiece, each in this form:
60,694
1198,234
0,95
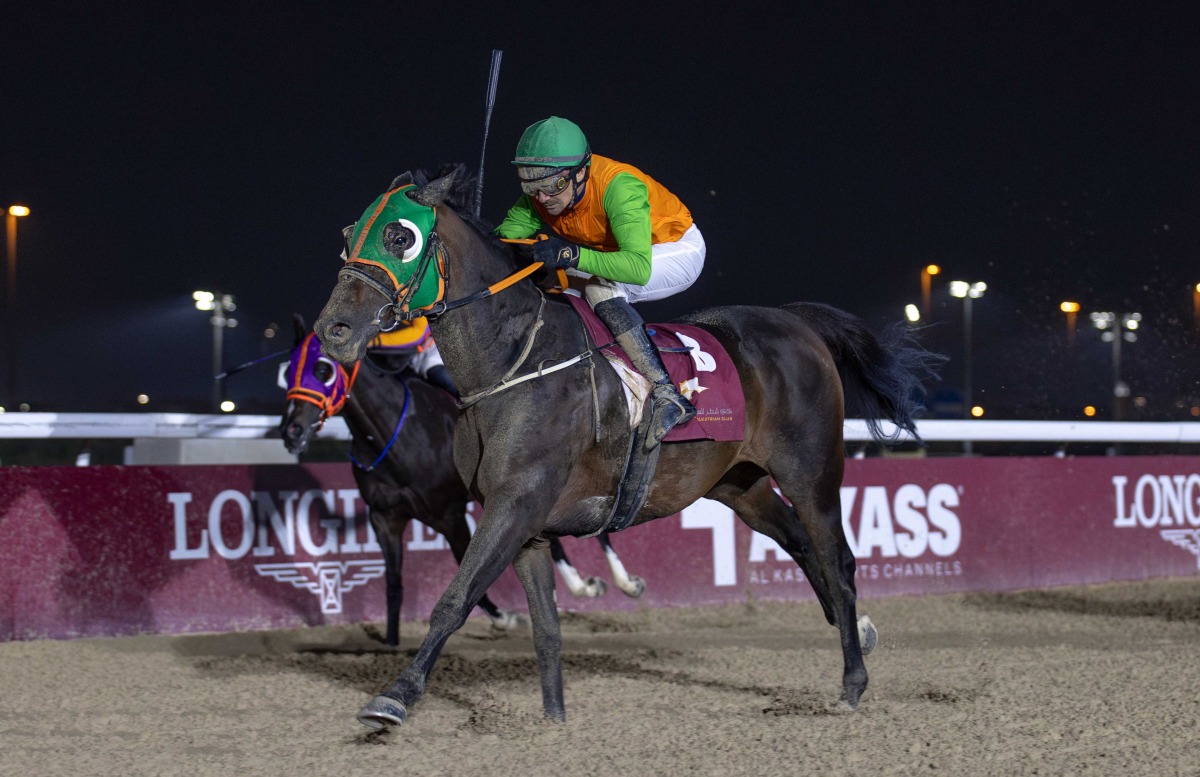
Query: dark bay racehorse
530,447
402,430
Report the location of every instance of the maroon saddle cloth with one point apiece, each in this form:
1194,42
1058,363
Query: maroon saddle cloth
698,363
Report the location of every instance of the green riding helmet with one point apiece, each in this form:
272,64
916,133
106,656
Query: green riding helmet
552,142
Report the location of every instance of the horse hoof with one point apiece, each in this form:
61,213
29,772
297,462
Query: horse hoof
634,588
868,635
595,588
381,712
506,621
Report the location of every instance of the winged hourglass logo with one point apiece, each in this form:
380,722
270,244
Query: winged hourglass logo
1188,539
327,579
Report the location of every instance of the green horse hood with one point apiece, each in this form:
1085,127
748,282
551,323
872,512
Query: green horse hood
395,233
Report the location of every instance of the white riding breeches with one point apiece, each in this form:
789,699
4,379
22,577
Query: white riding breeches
427,358
673,268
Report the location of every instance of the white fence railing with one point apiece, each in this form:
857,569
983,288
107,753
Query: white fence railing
182,425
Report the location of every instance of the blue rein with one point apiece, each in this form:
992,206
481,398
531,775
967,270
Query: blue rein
395,434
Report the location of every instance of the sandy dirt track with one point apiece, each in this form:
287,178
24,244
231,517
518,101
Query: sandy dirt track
1098,680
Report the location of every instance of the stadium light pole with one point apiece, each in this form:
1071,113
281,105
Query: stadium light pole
218,305
927,273
1071,309
967,292
1115,327
12,324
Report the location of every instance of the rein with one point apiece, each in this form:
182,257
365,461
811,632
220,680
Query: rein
399,297
325,403
395,434
508,381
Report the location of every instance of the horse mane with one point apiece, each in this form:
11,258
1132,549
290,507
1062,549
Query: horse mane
462,197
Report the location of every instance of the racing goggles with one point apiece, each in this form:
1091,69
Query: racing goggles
551,185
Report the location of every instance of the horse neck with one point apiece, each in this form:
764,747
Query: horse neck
373,408
479,342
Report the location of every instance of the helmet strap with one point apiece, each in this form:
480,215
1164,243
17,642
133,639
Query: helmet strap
587,173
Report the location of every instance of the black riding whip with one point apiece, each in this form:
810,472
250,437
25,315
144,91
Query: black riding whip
493,80
241,367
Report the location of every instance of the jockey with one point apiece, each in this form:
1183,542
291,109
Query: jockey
611,222
413,337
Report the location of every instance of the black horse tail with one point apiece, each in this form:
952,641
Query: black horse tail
882,377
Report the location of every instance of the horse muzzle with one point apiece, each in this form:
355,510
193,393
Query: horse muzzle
341,341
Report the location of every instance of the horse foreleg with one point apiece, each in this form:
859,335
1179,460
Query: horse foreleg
585,589
389,531
492,549
458,537
632,585
535,569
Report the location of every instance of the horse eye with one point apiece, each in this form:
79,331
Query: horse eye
323,371
398,239
403,240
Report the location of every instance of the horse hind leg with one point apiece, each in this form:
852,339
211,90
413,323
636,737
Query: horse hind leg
762,510
827,563
585,589
632,585
817,505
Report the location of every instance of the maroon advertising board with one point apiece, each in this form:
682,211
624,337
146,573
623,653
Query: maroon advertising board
96,551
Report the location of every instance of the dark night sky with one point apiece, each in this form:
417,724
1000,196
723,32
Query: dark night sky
1050,149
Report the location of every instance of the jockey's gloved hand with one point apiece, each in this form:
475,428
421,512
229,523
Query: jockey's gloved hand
523,251
556,254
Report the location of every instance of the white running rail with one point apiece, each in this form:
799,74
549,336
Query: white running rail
32,426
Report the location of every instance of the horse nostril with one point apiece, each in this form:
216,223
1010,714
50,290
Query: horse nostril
337,331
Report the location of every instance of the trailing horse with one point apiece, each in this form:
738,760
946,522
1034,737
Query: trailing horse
545,435
402,431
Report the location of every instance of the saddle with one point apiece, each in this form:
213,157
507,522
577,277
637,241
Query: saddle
697,363
705,374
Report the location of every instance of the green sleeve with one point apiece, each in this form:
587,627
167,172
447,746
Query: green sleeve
522,220
627,203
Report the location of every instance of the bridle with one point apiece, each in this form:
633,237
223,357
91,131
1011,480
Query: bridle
399,297
331,401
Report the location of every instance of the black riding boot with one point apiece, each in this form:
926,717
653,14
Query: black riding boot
669,408
439,376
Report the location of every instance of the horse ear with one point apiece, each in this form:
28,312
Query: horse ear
347,233
299,327
435,192
404,179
